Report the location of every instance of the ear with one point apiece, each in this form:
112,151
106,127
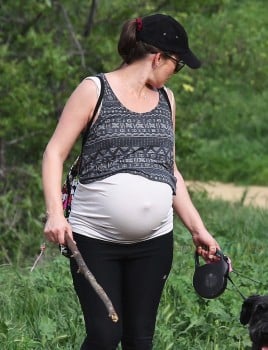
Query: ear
247,309
157,59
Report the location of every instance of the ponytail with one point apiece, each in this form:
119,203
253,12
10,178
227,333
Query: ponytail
128,47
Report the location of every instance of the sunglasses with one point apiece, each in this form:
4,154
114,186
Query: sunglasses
179,63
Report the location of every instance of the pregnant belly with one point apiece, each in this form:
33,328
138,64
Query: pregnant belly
131,207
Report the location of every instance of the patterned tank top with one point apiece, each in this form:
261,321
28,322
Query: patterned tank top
124,141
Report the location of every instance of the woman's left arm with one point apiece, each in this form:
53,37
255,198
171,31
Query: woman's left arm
183,206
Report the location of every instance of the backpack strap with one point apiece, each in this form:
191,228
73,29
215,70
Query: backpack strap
86,132
165,94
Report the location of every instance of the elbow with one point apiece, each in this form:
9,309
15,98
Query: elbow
52,155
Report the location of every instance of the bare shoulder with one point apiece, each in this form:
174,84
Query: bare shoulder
83,99
86,88
80,105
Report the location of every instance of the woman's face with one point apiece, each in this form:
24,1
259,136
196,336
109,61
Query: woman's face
179,64
162,70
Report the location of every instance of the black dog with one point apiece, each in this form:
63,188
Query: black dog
254,312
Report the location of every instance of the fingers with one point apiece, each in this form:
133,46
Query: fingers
57,233
212,252
208,253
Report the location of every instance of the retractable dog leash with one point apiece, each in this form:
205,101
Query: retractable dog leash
210,279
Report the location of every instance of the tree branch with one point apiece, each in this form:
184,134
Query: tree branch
73,35
22,138
2,158
31,23
82,267
90,18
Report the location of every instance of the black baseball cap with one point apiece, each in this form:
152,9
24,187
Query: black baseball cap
167,34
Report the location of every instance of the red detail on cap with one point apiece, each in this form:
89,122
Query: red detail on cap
139,24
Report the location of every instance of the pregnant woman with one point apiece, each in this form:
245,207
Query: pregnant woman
129,185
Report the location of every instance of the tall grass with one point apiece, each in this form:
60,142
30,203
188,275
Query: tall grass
39,310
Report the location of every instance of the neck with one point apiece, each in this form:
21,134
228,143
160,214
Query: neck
136,81
137,74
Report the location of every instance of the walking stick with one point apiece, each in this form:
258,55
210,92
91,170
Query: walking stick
82,268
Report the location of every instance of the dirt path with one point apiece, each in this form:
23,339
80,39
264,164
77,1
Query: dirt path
256,196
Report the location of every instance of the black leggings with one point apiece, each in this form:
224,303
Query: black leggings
133,276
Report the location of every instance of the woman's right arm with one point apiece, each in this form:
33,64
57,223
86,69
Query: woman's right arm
74,118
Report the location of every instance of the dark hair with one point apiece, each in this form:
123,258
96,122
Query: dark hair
129,48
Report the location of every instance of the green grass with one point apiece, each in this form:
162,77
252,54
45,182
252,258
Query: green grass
187,321
39,309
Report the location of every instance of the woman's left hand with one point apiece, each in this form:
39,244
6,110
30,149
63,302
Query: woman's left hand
206,246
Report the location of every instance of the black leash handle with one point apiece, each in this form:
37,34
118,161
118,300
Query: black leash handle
222,256
218,253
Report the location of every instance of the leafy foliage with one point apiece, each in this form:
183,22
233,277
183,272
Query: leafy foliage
221,133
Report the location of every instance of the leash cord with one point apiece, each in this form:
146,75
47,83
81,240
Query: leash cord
246,277
236,288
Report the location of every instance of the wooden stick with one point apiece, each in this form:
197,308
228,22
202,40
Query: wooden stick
42,249
82,267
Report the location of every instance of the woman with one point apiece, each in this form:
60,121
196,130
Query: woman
122,212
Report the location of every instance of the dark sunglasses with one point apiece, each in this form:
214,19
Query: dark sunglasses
179,63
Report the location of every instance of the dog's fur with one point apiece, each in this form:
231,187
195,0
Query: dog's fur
254,312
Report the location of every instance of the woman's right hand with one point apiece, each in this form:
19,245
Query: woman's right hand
56,228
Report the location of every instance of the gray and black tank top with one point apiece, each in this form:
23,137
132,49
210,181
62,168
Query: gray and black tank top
124,141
